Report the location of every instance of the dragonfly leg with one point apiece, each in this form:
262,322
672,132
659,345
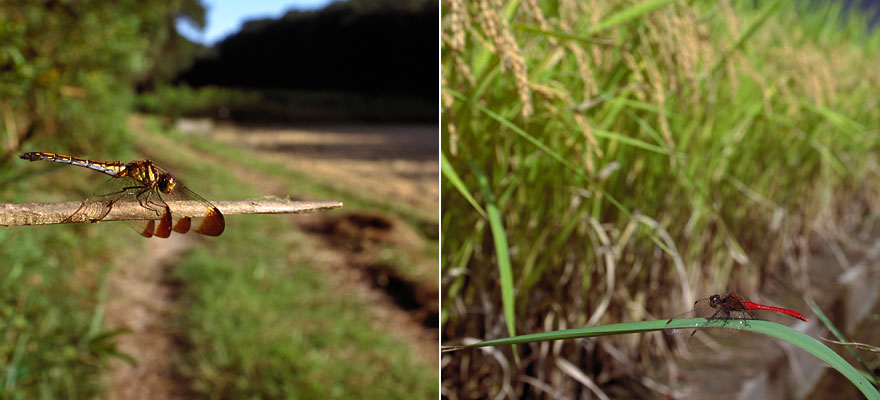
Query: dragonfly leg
151,200
108,203
147,203
718,314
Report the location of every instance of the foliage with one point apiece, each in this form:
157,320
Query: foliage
643,154
68,68
52,307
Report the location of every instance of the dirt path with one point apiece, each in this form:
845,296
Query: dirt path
141,299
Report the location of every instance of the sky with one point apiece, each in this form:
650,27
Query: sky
225,17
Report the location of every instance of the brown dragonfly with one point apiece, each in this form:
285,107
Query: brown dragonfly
150,186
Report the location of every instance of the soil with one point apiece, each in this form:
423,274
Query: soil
141,299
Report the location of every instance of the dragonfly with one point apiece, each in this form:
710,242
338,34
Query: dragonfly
730,310
151,187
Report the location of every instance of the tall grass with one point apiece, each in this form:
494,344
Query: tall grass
641,155
52,295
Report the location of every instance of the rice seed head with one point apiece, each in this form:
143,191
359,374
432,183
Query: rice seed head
498,31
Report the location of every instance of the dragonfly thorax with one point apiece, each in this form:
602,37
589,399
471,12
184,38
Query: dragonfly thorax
149,175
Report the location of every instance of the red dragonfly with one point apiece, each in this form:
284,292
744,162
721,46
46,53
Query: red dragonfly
149,185
731,309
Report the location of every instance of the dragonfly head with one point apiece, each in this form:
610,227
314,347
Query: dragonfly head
166,183
714,301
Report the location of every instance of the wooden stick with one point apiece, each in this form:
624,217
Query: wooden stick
18,214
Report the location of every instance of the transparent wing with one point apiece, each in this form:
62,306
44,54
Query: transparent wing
117,191
210,222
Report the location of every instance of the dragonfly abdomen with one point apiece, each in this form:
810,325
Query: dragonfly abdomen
111,168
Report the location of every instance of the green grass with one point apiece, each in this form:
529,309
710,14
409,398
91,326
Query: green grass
178,101
51,299
673,151
261,323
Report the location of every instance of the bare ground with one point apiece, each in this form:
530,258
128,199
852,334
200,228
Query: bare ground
141,299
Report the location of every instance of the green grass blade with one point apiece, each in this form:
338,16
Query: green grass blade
628,14
751,30
561,35
779,331
630,141
840,121
452,176
840,337
505,271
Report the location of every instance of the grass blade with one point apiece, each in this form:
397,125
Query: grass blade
839,335
751,30
630,141
779,331
452,176
505,272
628,14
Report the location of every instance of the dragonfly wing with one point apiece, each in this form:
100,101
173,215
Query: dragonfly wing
116,192
128,191
182,225
146,228
164,228
210,222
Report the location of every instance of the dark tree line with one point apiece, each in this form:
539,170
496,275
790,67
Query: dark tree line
347,47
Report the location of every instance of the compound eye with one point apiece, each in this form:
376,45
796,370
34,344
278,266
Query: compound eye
715,300
166,183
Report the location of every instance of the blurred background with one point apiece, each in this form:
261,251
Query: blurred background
324,101
641,155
